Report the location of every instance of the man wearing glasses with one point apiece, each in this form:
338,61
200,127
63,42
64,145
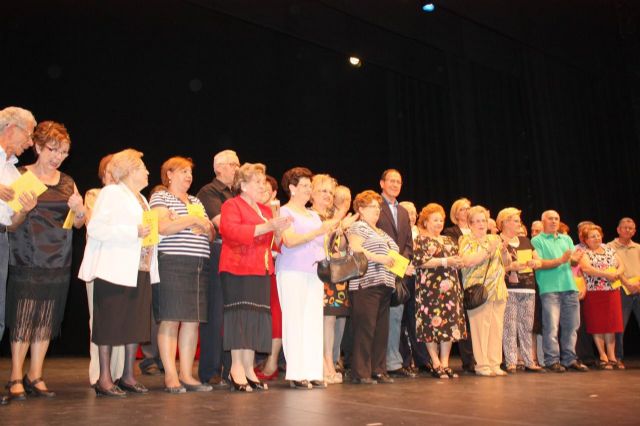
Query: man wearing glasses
16,130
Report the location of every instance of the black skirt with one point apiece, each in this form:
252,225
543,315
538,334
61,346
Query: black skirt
181,294
247,312
122,315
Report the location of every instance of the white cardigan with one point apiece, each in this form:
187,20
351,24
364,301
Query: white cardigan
113,247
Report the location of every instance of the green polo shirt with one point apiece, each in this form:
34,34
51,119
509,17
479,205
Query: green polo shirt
554,280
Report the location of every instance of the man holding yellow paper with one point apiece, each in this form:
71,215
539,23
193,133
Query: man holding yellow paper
16,129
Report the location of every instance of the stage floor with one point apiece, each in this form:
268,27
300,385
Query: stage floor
594,398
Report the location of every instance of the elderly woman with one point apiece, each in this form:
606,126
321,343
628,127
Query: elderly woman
601,266
122,269
521,287
439,314
117,352
300,290
248,232
40,261
370,294
483,257
458,213
180,298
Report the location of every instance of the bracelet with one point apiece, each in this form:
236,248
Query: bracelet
80,215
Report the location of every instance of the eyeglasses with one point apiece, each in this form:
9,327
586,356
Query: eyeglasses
375,207
57,151
236,165
325,191
29,135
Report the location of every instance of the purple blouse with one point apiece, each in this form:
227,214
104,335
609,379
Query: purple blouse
302,257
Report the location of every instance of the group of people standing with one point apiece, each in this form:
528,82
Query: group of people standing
234,270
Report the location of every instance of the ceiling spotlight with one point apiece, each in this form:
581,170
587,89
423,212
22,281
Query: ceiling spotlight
355,61
427,6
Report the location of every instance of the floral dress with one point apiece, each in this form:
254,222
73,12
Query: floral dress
439,309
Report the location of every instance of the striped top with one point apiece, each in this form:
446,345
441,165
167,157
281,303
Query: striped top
378,243
185,242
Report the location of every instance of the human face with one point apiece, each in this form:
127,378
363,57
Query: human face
370,213
302,191
254,189
180,179
461,214
478,224
434,223
511,225
227,169
594,239
21,139
322,196
52,155
536,228
138,177
269,194
626,230
550,222
391,185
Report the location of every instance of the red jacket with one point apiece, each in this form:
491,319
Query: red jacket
242,253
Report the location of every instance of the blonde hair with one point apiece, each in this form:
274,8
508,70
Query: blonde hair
103,167
475,210
245,173
505,214
171,165
124,162
457,204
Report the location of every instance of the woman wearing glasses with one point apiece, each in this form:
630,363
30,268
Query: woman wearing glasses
40,262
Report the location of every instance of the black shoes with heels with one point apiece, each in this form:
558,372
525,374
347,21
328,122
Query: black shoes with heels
31,389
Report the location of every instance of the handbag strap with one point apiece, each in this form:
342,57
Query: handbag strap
336,242
487,269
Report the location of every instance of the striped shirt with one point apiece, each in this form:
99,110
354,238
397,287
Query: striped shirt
377,274
185,242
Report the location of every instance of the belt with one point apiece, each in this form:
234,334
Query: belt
3,229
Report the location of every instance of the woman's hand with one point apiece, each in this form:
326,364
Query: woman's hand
384,259
349,220
29,200
6,193
144,230
582,293
75,202
279,224
455,262
329,225
493,244
201,225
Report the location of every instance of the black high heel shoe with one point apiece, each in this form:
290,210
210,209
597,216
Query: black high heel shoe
30,388
15,396
257,385
114,391
244,387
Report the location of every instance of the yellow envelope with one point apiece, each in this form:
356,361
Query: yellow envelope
196,210
25,183
581,285
400,263
632,280
68,222
523,257
150,218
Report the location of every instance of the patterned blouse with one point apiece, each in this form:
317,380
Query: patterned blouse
494,281
378,243
601,261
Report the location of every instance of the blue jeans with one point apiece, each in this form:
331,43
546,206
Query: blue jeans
4,267
560,310
394,358
629,304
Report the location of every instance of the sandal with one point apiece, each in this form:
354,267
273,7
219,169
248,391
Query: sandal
450,373
15,396
617,365
439,373
603,365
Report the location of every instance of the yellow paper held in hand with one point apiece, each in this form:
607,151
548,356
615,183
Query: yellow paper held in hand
632,280
400,263
25,183
195,210
68,222
150,218
523,257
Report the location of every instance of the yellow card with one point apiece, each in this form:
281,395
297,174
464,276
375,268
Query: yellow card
523,257
68,222
632,280
581,285
400,263
25,183
196,210
150,218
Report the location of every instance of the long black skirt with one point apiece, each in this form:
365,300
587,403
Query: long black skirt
122,315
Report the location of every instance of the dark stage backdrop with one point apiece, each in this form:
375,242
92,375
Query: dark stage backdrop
531,107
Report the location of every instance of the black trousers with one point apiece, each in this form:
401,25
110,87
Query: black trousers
409,345
370,327
213,360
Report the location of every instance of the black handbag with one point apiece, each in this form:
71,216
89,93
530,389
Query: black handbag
400,295
476,295
343,268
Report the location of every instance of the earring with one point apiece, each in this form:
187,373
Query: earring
169,181
293,194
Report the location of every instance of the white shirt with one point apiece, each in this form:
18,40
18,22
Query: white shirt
8,174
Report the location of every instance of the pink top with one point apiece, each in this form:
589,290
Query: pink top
301,258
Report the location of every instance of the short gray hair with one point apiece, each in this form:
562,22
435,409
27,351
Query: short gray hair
15,115
124,162
222,156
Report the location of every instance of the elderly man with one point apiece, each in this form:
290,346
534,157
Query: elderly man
629,253
559,295
536,228
16,130
215,364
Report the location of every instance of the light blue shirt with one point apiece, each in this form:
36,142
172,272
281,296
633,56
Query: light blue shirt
393,206
8,173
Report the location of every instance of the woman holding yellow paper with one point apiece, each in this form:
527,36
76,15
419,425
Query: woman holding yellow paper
601,267
122,268
521,286
180,298
40,261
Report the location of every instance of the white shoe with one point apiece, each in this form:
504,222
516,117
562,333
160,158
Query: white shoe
500,372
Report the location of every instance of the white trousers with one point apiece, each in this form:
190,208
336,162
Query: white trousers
302,321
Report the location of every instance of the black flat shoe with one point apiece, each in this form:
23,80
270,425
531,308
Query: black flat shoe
114,391
31,389
300,384
383,379
15,396
257,385
320,384
363,381
175,390
200,387
240,387
134,388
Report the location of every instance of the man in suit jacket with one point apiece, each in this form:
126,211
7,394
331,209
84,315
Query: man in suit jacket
394,220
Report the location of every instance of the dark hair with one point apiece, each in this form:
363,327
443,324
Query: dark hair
273,182
293,176
386,172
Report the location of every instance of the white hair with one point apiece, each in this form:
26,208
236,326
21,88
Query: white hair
15,115
222,157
